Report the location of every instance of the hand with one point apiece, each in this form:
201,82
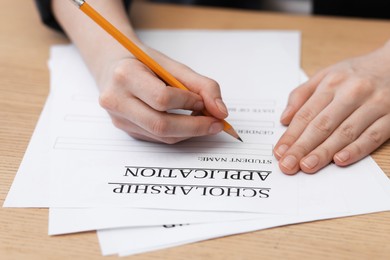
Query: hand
342,114
138,101
135,98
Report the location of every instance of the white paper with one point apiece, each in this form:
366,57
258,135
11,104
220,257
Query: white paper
71,220
367,191
66,220
34,165
106,168
30,187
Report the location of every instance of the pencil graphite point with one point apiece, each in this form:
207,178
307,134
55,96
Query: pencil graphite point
230,130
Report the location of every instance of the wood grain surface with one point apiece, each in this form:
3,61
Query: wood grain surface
24,85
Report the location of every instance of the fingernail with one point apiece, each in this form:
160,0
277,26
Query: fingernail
286,112
289,162
215,128
198,106
311,161
281,150
343,156
221,106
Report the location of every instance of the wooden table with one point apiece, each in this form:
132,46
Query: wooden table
24,85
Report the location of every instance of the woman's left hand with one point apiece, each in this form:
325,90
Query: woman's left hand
341,114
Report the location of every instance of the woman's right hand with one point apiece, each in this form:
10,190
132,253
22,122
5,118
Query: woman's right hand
138,101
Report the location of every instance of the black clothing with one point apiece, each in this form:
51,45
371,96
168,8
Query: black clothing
367,9
47,17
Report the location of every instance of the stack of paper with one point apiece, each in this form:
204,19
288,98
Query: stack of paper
144,196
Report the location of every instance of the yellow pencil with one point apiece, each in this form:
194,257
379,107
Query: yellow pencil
141,55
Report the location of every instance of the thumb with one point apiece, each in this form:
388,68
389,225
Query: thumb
209,91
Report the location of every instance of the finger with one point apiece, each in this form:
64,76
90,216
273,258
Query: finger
299,96
344,135
316,103
163,124
167,98
316,131
368,141
157,95
207,88
139,133
351,97
210,92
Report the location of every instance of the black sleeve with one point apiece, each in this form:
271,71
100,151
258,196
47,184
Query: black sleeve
47,16
368,9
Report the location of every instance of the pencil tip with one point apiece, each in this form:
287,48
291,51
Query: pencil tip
233,133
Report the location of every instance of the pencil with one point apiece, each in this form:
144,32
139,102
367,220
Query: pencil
142,56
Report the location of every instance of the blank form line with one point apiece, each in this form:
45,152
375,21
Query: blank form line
196,147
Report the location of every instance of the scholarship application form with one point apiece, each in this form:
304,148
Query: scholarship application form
94,164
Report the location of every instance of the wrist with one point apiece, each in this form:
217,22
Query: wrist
110,56
96,46
386,53
387,48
